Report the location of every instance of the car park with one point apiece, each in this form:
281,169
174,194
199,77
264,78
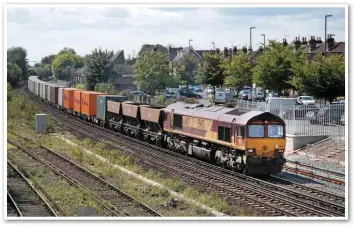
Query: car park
183,92
300,112
244,95
279,106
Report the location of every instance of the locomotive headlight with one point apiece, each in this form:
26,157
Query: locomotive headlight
279,151
251,151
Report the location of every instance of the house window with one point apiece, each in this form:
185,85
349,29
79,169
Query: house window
224,133
178,121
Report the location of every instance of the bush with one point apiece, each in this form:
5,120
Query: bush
108,88
126,93
80,86
161,100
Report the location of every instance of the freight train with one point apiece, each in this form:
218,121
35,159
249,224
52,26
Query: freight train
251,142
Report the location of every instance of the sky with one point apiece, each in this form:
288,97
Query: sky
44,31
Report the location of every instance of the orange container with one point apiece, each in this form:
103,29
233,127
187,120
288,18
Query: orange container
89,102
68,96
78,100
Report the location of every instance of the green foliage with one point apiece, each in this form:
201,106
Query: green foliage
323,77
14,73
126,93
18,56
63,62
9,87
108,88
161,100
98,68
237,71
152,72
272,69
48,59
80,86
151,48
67,50
43,72
186,69
210,72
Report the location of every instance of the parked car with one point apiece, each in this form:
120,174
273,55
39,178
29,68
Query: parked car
198,90
210,90
258,95
170,93
306,100
300,112
139,93
223,97
188,93
244,95
328,115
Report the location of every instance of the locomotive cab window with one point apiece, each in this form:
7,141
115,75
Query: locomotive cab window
275,131
256,131
178,121
224,133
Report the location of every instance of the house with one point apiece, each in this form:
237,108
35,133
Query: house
125,78
79,76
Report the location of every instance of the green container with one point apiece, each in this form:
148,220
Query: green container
102,105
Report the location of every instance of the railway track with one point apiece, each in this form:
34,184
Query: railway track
315,172
23,200
117,202
235,187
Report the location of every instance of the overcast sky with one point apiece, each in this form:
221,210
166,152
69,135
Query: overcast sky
44,31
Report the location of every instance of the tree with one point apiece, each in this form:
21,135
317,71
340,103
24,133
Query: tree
98,69
272,69
63,60
43,72
150,48
48,59
324,77
14,73
151,72
67,50
80,86
186,69
210,71
237,71
18,55
108,88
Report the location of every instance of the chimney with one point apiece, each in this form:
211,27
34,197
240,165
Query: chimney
245,50
330,42
235,50
297,43
319,40
304,41
225,52
312,43
284,42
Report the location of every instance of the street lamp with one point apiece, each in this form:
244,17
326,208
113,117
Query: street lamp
213,45
325,33
250,37
189,43
264,39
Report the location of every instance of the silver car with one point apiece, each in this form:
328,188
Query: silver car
223,97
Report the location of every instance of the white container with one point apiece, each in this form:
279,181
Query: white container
38,90
60,97
41,123
48,95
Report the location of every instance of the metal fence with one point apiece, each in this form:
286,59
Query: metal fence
305,120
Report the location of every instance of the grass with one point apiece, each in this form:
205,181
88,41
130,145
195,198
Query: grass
152,196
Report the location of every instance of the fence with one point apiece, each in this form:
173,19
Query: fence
305,120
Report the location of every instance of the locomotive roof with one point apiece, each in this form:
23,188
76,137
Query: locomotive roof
240,116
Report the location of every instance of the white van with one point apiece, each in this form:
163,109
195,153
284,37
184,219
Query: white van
278,106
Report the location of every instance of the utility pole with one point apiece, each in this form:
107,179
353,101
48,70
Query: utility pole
325,33
264,40
251,46
190,42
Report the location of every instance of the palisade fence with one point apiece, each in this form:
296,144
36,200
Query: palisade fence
303,119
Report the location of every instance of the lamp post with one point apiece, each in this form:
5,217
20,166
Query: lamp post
325,33
250,37
189,43
264,39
